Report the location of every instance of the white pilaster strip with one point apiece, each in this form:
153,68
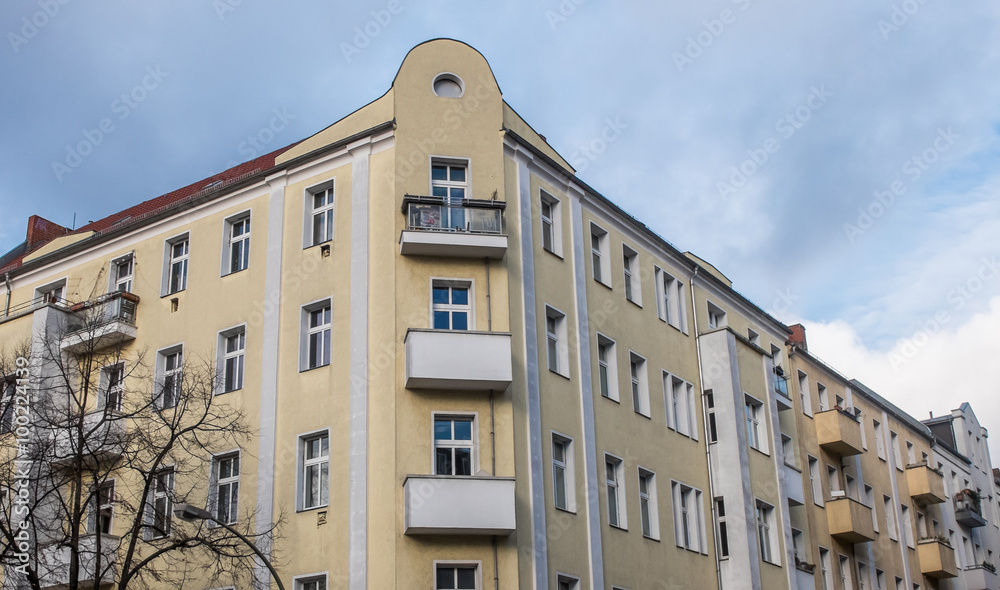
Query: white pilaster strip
358,480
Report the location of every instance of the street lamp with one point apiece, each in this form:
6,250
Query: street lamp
191,513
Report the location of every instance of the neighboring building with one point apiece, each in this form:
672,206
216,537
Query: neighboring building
470,370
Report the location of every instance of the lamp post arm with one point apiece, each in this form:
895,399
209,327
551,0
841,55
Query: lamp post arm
263,558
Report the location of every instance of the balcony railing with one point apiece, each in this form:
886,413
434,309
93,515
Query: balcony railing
937,558
967,509
781,382
983,575
470,228
99,323
455,505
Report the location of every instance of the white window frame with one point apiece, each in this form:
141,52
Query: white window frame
844,563
648,507
568,468
327,211
217,482
862,575
166,496
121,282
896,455
906,525
869,493
600,257
716,316
879,439
766,531
711,422
469,309
224,355
804,395
631,274
477,565
753,336
681,406
890,517
53,292
609,364
687,509
824,397
231,242
111,390
755,423
169,260
825,568
306,331
572,582
671,303
556,343
473,419
721,528
176,375
615,488
815,483
553,221
639,383
449,184
99,508
305,582
303,463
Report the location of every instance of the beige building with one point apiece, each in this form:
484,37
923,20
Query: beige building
464,368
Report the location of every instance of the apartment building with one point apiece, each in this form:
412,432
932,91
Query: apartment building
465,368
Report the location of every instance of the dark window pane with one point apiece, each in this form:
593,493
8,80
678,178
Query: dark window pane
440,294
445,578
463,430
441,320
458,173
442,462
440,191
467,578
460,296
459,320
439,172
463,461
442,430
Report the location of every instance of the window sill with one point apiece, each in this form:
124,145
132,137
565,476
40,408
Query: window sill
648,538
218,393
566,377
762,452
317,244
556,254
639,305
311,508
611,399
618,527
603,284
307,369
566,510
646,416
165,295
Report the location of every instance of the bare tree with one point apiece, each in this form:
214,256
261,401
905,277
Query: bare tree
110,447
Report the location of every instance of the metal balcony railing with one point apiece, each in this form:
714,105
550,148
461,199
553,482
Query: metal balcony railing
423,213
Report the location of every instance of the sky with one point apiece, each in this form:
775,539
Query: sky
839,161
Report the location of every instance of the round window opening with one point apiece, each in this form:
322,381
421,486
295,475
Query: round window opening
448,86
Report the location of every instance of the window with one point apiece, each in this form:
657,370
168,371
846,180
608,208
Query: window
599,257
894,441
232,344
670,301
557,350
176,267
320,220
752,410
630,266
112,387
765,535
713,434
824,568
845,573
870,502
316,329
754,337
689,531
607,367
170,365
716,317
680,406
890,518
160,514
456,577
879,580
551,223
236,248
52,293
911,455
814,482
563,473
315,474
824,399
7,409
451,306
567,583
639,384
832,479
879,439
224,499
450,182
454,445
311,583
804,397
906,524
613,470
899,584
648,512
121,274
798,540
722,533
862,576
102,506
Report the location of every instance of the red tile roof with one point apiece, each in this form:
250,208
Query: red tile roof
148,208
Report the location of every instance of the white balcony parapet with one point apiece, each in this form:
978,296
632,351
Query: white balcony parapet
458,359
458,505
793,486
103,441
469,229
54,566
106,321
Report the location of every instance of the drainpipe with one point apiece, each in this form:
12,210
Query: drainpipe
489,305
493,438
6,307
708,454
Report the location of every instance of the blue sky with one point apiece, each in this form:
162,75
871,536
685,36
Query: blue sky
844,100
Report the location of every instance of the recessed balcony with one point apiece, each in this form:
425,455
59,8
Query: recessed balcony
925,483
458,359
937,559
849,520
793,486
470,229
838,431
106,321
103,441
456,505
54,570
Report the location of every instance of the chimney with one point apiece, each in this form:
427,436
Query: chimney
798,336
42,231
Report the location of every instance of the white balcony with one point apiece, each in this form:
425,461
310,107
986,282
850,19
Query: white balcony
103,442
472,229
977,577
100,323
458,359
455,505
54,563
793,486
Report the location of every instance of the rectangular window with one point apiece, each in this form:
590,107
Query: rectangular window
911,455
456,577
567,583
906,525
870,502
557,350
630,266
320,207
236,248
233,348
845,573
7,409
754,338
551,223
176,267
689,532
825,575
824,399
798,545
753,410
170,366
607,367
897,457
804,397
563,473
814,481
226,489
450,182
121,274
315,474
599,258
879,580
648,512
879,439
670,301
54,293
765,535
722,533
112,387
716,317
680,406
614,469
161,507
311,583
640,384
890,518
862,576
102,506
451,305
454,445
317,327
713,434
